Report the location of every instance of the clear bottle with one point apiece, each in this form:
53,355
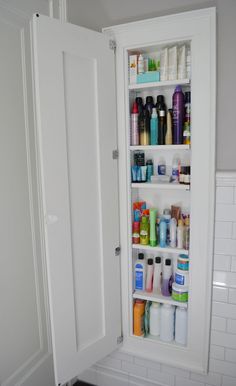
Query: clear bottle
157,275
155,319
167,322
167,278
181,319
140,273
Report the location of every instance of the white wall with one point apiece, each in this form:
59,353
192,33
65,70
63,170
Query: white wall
96,14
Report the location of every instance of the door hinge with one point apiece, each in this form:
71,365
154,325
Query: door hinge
117,251
120,339
115,154
112,45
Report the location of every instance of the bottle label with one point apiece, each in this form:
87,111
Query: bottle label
139,280
179,279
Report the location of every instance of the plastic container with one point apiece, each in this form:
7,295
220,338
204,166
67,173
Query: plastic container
139,310
154,128
182,277
149,279
153,216
144,231
178,115
149,173
157,275
134,138
180,234
181,324
179,293
167,278
140,273
144,127
173,232
175,169
183,262
136,232
167,322
155,319
162,232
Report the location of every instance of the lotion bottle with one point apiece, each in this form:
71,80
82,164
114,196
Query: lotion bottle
167,278
149,280
140,273
157,275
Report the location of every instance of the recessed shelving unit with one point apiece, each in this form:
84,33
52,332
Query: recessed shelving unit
169,250
144,295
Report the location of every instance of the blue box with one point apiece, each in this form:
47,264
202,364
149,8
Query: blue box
150,76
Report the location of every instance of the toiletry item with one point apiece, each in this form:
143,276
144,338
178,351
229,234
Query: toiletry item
186,233
154,128
188,63
187,175
183,262
144,127
144,231
134,173
175,212
178,115
157,275
140,64
155,319
172,63
133,69
181,325
149,105
168,136
140,273
149,165
161,167
167,217
139,175
138,209
167,322
173,232
139,309
181,174
175,170
136,232
152,219
182,62
139,158
161,111
187,119
166,278
134,138
162,233
179,293
180,234
182,277
164,64
143,173
147,317
149,279
139,102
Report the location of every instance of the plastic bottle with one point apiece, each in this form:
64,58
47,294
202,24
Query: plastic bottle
149,279
144,231
149,105
144,127
167,323
157,275
139,102
140,64
175,169
154,128
180,234
181,319
188,63
167,217
187,119
161,111
178,115
140,273
134,125
153,216
168,136
139,310
186,233
149,165
166,287
173,232
162,232
136,232
161,167
155,319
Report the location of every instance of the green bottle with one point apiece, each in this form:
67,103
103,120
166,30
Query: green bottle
153,237
144,231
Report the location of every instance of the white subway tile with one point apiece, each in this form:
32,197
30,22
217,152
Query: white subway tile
109,362
231,326
135,381
217,352
223,339
210,378
223,229
224,195
220,294
230,355
232,295
218,323
105,378
234,231
122,356
134,369
187,382
225,212
225,246
228,381
222,367
147,363
225,279
233,264
175,371
222,262
163,378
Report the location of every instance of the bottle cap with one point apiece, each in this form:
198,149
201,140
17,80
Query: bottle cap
158,260
180,222
187,96
149,99
178,88
139,100
168,262
154,113
150,262
149,162
135,108
155,304
141,256
160,98
187,221
166,211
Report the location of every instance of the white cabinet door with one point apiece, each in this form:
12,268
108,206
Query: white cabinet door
75,99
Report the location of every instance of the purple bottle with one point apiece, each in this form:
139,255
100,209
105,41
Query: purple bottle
167,278
178,115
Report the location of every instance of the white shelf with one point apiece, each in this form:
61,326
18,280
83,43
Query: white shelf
171,186
160,147
159,249
159,298
165,83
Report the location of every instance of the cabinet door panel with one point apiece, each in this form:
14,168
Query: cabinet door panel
75,95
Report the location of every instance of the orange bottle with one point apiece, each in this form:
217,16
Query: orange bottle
139,310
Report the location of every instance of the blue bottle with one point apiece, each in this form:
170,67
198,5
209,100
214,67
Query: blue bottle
162,233
154,128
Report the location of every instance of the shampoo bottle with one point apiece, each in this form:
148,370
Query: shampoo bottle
155,319
162,232
173,232
166,287
149,279
140,273
168,137
154,128
157,275
167,322
153,216
180,234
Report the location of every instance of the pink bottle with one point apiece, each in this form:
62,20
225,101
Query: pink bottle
134,134
149,279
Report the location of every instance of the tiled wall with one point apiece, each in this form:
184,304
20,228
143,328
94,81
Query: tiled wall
119,369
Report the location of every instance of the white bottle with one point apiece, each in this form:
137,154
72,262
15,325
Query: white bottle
181,318
157,275
155,319
140,273
140,64
167,323
173,231
180,234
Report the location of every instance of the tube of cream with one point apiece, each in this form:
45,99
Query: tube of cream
164,64
182,62
134,173
172,63
143,173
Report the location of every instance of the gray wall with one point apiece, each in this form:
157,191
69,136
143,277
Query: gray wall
96,14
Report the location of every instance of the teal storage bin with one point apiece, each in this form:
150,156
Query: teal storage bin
150,76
